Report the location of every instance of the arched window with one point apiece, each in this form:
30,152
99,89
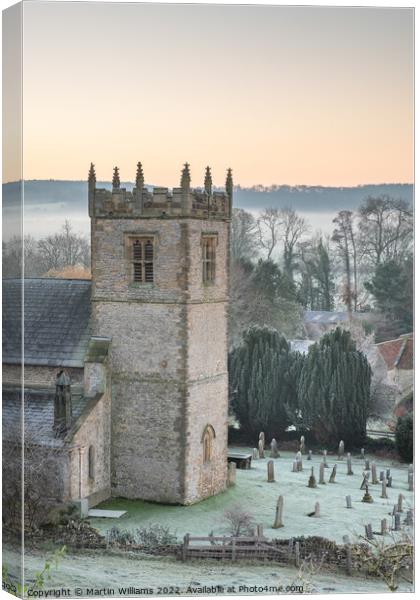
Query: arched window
207,441
91,459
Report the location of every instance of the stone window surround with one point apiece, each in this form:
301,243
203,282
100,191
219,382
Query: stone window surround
207,440
129,239
209,275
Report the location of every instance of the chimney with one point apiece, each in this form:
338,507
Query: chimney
62,403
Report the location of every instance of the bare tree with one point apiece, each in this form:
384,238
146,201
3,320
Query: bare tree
345,239
39,467
239,521
64,249
386,228
14,249
293,229
269,225
244,234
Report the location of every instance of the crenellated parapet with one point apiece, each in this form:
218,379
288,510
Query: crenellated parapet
184,201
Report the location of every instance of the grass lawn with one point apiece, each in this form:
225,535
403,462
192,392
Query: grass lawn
255,495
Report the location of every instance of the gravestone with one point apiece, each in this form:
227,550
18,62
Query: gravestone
231,474
270,471
333,474
383,493
302,444
312,480
384,527
278,520
274,449
349,467
321,473
369,533
410,482
261,453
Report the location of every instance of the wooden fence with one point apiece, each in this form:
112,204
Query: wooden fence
258,547
231,548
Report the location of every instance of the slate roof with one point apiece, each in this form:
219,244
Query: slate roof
38,406
57,319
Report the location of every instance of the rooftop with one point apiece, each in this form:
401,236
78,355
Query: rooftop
56,321
38,413
398,353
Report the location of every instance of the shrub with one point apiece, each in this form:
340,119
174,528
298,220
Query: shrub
261,381
334,390
404,437
239,522
155,536
119,537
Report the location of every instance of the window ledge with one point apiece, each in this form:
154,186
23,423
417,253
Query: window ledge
136,285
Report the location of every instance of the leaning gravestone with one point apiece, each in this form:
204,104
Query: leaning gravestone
333,474
365,481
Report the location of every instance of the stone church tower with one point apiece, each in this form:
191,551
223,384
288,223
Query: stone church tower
160,291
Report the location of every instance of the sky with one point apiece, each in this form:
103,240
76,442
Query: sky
285,95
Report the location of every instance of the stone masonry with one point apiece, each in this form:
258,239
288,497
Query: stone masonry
168,354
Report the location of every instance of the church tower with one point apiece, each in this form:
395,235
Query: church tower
160,291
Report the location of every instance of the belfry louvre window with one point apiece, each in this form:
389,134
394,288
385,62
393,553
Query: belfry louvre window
143,257
208,244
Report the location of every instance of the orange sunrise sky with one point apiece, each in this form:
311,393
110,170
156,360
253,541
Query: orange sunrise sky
293,95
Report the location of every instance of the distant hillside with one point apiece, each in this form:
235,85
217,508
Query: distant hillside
72,195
